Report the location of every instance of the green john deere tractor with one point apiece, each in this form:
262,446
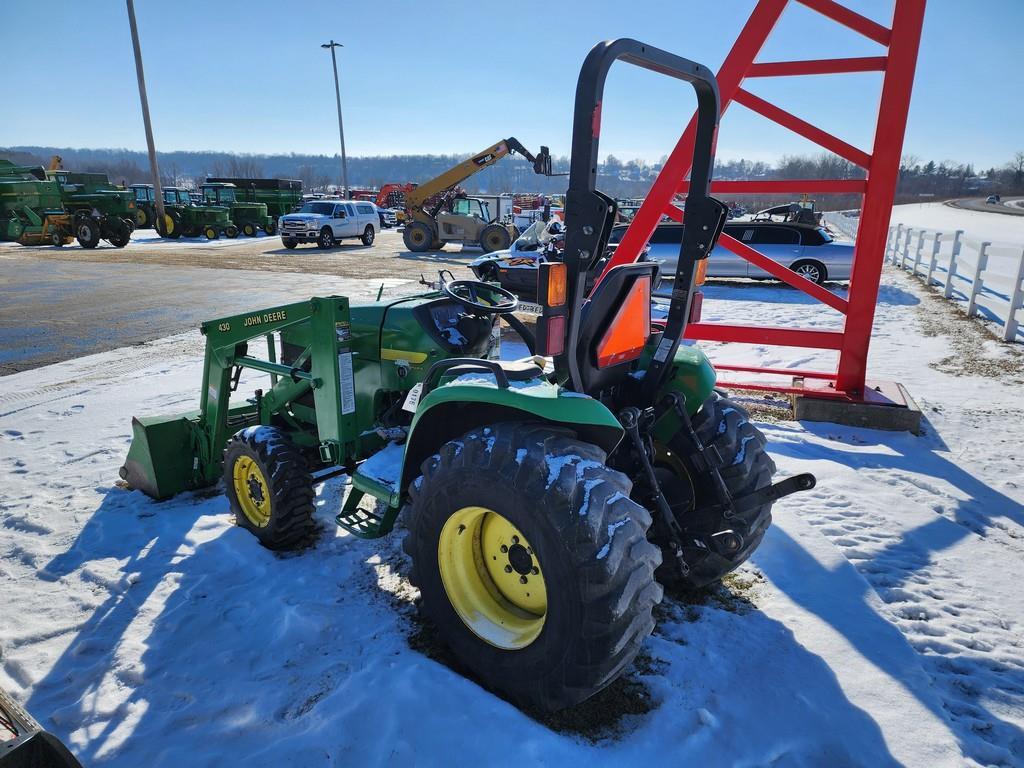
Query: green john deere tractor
249,218
145,205
31,207
99,210
183,218
281,196
547,500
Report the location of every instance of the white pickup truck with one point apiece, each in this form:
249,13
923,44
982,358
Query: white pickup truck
327,221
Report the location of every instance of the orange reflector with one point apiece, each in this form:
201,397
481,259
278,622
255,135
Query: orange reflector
625,338
555,341
555,296
702,272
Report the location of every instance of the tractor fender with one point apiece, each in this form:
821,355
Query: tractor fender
693,377
451,410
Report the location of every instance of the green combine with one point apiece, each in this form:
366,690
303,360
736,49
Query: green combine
31,207
548,499
248,217
99,210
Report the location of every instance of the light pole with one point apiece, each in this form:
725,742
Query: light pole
341,130
154,169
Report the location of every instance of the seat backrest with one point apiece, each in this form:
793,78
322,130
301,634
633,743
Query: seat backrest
598,314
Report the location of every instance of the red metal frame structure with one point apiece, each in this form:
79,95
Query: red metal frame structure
901,42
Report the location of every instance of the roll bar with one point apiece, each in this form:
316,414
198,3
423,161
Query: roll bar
590,214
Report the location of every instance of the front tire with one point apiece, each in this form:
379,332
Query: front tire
211,233
746,467
326,239
495,238
289,243
269,488
368,235
87,230
533,562
271,228
231,232
417,237
249,229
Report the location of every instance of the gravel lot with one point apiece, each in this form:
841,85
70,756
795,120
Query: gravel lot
61,303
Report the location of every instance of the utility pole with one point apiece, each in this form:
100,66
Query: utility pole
341,130
153,167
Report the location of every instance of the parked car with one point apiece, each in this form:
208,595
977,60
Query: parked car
515,268
387,217
326,221
994,200
806,249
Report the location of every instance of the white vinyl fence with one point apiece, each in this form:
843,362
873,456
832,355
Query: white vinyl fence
987,276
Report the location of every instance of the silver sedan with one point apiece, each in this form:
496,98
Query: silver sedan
807,250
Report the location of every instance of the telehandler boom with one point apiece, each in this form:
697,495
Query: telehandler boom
461,219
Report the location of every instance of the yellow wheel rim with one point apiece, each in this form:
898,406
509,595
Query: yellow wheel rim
140,216
168,224
492,577
252,491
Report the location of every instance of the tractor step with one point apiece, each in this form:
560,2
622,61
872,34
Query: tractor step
364,523
378,477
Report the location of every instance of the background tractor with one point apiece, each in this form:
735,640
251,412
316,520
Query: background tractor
281,196
183,218
547,500
31,207
99,209
440,216
145,205
247,217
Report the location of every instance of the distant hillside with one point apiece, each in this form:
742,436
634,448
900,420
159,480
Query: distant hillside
618,178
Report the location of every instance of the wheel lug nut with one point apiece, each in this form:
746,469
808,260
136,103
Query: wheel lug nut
515,539
522,579
535,570
529,550
504,548
508,569
462,529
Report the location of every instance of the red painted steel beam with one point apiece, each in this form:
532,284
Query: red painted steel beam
784,273
840,13
810,338
778,186
876,210
749,42
802,127
817,67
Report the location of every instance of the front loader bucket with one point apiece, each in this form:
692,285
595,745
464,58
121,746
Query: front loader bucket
162,460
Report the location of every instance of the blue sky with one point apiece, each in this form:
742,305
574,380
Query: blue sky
447,76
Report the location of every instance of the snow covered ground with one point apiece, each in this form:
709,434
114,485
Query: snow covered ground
879,623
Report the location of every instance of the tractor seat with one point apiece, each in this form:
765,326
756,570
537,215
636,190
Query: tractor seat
515,370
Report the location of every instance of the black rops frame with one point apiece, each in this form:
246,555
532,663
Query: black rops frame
591,214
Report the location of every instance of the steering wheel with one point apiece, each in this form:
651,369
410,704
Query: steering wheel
481,297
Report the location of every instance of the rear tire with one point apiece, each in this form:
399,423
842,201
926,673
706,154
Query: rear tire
123,235
143,219
326,239
269,488
583,544
368,235
417,237
495,238
170,225
746,467
813,270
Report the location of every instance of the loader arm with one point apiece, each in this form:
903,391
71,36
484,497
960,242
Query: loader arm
464,170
